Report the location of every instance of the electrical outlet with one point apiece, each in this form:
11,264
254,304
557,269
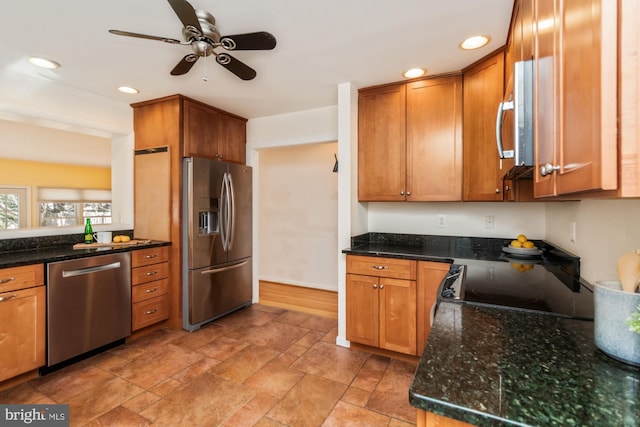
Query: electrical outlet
572,231
442,221
489,222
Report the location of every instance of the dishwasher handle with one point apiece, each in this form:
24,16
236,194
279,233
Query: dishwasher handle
89,270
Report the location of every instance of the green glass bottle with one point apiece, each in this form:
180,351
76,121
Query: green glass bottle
88,232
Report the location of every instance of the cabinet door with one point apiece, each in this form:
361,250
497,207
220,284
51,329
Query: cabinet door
381,143
430,275
362,309
200,130
483,171
22,328
434,140
232,139
398,315
576,106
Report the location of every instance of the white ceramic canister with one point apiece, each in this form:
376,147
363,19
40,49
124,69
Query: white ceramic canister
613,309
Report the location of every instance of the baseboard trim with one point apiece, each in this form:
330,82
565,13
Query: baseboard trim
299,298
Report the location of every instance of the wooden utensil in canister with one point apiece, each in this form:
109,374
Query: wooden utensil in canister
629,271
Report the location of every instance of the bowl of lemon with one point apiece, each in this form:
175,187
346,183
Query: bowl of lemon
523,247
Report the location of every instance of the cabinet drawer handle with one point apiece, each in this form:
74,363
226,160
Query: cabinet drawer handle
379,267
151,311
151,256
151,273
148,291
7,297
7,280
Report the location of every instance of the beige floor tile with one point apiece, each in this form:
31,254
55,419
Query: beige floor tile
308,403
193,371
356,396
24,393
206,401
370,374
346,415
67,383
331,362
120,417
293,318
222,348
398,423
252,412
386,398
321,324
244,363
204,335
274,379
310,338
141,402
276,335
165,387
331,336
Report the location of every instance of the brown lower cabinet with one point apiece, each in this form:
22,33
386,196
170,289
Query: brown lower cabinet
150,301
390,301
429,419
22,320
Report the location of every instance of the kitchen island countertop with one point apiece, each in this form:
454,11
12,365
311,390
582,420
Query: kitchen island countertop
498,367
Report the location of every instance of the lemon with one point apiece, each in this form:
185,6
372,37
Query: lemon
125,239
516,244
116,239
528,244
521,238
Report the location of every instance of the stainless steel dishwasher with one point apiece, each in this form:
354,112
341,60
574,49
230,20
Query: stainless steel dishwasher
88,304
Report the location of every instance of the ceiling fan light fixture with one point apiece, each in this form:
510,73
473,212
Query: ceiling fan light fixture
474,42
414,72
128,89
44,63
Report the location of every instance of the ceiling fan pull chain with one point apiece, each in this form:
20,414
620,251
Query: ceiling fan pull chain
204,76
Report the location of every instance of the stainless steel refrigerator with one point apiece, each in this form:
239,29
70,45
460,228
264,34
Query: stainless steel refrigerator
217,247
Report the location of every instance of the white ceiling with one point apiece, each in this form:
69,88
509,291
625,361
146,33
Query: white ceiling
320,44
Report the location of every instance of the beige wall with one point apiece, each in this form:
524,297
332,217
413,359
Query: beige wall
605,230
298,215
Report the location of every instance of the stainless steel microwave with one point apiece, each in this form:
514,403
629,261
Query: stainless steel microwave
520,104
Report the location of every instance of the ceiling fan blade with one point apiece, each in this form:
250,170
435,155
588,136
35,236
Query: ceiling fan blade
184,65
237,67
260,40
186,13
144,36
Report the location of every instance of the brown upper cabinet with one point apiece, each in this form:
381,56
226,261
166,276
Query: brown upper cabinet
586,80
410,141
190,127
483,91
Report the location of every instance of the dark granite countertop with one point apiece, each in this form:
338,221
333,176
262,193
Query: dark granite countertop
17,252
497,367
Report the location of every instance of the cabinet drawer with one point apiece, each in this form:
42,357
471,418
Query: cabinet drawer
382,267
26,276
149,290
149,256
149,273
148,312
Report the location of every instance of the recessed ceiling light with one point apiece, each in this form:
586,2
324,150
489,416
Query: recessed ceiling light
475,42
44,63
128,89
414,72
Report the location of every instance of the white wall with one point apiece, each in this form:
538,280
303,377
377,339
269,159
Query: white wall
605,230
298,215
461,218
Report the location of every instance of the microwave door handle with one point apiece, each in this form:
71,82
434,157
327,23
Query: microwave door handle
502,107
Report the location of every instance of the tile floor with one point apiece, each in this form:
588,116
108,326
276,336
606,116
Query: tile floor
261,366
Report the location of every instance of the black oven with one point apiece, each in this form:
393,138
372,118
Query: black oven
539,285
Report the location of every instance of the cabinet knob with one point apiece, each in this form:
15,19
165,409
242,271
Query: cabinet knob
497,190
507,188
375,286
402,193
408,193
548,169
381,286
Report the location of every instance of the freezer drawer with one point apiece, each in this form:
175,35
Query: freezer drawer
88,304
216,291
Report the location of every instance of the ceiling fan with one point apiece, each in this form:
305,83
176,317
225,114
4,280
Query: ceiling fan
201,33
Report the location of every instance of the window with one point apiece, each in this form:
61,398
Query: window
61,207
13,208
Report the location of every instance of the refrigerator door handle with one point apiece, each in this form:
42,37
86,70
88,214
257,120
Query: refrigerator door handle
228,267
232,217
223,212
